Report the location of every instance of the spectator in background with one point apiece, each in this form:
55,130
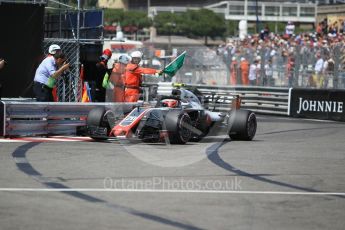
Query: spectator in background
328,71
253,73
102,70
233,71
318,69
306,53
303,46
244,67
290,70
341,78
319,29
334,29
325,26
259,70
266,31
290,29
268,78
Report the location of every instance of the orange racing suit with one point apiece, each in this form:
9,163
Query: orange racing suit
233,72
244,66
133,79
117,78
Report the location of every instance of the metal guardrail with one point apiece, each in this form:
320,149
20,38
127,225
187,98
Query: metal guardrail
28,118
264,100
258,99
21,118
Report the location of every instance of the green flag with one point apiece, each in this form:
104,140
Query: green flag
175,65
105,81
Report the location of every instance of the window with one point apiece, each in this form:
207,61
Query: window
236,10
307,11
252,10
289,11
272,10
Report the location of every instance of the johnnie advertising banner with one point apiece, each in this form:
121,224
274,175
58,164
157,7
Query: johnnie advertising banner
317,104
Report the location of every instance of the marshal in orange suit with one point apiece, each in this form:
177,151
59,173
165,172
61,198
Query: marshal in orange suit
133,77
117,78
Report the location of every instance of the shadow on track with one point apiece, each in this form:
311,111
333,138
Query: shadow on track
19,155
213,156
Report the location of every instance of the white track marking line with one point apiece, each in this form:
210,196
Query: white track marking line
47,139
53,139
12,140
73,137
170,191
295,119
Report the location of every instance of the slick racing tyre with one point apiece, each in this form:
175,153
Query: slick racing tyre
98,123
242,125
178,125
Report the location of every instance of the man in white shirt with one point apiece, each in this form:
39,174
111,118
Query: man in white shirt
253,69
268,80
290,28
318,69
49,69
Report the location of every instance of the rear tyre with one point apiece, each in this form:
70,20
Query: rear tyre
178,124
242,125
99,118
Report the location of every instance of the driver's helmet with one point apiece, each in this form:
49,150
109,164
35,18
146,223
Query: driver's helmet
171,103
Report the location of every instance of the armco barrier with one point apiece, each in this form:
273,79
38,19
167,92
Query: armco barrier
25,118
264,100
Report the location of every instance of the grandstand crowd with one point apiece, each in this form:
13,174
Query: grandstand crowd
314,59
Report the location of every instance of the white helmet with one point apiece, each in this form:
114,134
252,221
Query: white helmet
124,59
52,48
136,54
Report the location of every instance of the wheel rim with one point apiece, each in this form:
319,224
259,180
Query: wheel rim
184,131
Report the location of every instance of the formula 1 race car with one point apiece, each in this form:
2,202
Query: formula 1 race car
179,117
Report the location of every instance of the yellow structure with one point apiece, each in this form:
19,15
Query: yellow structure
334,13
113,4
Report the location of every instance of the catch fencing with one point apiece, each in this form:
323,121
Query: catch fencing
70,28
291,65
280,66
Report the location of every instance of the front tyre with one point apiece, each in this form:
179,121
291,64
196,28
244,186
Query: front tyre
178,124
242,125
98,123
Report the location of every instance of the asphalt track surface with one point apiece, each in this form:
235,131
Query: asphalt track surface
292,176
